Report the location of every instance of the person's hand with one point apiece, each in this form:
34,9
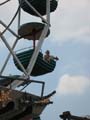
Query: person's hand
57,58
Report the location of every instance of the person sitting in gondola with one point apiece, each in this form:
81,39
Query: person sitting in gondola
47,57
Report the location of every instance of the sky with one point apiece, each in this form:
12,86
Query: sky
69,39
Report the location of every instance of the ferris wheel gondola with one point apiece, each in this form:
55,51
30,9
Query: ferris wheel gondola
39,5
32,31
41,66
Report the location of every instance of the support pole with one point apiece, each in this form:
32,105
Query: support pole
48,11
41,40
8,29
19,16
36,11
35,54
8,57
9,48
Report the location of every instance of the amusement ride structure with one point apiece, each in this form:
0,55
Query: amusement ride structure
68,116
16,104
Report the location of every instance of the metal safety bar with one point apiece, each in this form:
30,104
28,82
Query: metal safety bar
27,81
8,29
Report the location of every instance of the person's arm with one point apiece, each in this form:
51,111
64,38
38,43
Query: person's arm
56,58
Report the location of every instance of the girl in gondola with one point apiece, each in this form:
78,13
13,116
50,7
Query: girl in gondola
47,57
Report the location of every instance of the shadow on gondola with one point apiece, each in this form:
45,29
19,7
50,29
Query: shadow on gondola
39,5
32,31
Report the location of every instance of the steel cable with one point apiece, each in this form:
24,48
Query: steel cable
11,20
4,2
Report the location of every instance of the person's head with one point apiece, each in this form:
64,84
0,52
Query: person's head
47,52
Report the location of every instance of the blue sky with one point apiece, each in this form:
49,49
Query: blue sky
70,41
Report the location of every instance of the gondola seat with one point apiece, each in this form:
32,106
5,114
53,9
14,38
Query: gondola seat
41,66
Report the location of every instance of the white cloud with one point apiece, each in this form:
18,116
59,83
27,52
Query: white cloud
71,21
8,10
72,85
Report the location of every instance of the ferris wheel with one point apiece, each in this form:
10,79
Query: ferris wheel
18,104
30,62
